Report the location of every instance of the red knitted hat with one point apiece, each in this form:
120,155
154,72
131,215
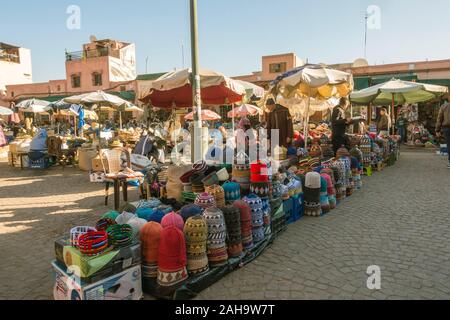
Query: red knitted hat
150,239
173,220
244,208
172,250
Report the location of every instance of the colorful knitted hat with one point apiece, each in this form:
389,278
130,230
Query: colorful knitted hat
217,234
124,217
111,215
150,237
324,200
205,200
144,213
172,257
233,222
173,220
136,224
342,152
232,191
200,167
261,189
190,210
196,230
104,224
156,216
129,208
196,234
218,193
312,180
312,194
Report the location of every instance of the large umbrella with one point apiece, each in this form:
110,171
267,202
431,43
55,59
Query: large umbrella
174,90
244,110
5,111
312,81
207,115
252,89
298,106
397,92
98,98
34,106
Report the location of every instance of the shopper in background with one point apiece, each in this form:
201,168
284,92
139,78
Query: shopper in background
339,123
384,123
443,127
401,127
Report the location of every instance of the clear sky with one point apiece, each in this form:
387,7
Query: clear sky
234,34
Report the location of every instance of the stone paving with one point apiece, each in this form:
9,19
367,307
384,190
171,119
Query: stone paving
400,221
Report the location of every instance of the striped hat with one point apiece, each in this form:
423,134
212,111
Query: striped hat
205,200
217,234
196,234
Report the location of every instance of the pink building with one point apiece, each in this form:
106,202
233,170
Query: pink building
107,65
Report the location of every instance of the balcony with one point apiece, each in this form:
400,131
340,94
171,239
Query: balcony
88,54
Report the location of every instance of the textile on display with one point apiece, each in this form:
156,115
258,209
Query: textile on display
173,219
205,201
324,199
150,237
190,210
232,191
218,193
256,208
246,223
233,223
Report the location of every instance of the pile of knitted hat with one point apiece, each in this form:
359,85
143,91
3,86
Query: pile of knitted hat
205,200
259,179
266,216
172,258
232,191
344,155
312,194
241,172
356,173
366,149
196,233
233,222
328,175
324,200
150,238
218,193
246,223
256,208
217,234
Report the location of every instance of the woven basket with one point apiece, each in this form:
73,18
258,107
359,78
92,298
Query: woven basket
76,232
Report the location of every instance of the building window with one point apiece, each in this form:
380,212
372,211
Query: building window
97,79
58,87
277,67
76,81
123,88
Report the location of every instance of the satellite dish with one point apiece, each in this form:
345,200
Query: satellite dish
93,38
360,63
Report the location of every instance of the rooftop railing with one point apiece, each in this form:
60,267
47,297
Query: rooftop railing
87,54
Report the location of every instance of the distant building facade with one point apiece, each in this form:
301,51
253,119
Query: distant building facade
15,68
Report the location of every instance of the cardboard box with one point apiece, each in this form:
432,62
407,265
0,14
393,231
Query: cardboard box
126,285
92,269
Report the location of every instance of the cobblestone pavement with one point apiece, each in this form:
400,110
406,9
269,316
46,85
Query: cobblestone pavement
400,221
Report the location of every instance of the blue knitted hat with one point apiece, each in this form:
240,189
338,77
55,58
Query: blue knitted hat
156,216
190,210
144,213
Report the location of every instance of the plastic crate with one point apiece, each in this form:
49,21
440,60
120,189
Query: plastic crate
38,160
298,208
288,208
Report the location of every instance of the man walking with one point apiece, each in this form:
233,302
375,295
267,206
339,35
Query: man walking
339,122
443,127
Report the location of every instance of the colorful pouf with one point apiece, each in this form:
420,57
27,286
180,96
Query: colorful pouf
312,194
196,233
217,234
172,258
150,236
173,219
233,222
205,200
256,208
324,200
232,192
246,224
218,193
190,210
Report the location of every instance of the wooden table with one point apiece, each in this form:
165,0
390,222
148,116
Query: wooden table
19,155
